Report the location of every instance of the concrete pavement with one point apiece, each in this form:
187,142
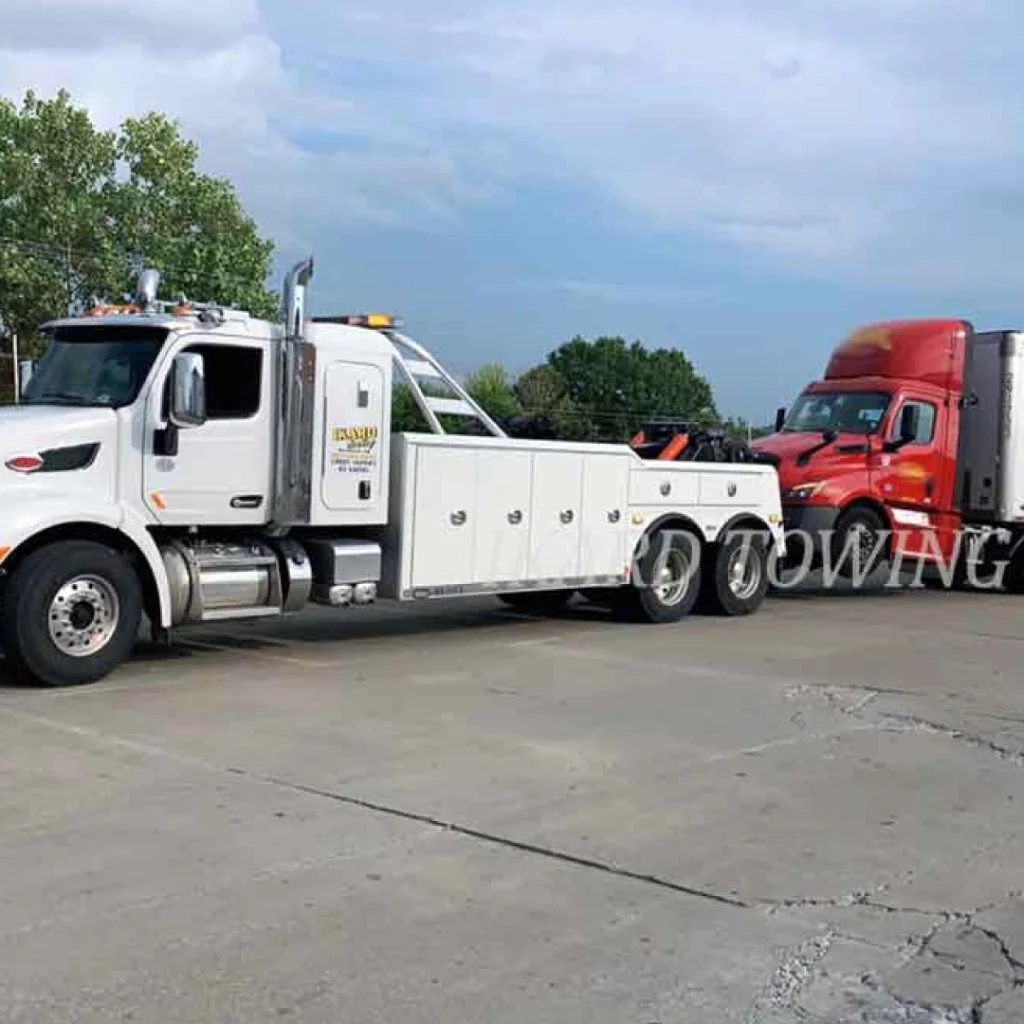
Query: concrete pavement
462,814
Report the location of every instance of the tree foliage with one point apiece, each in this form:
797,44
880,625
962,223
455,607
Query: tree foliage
593,391
492,387
79,207
613,385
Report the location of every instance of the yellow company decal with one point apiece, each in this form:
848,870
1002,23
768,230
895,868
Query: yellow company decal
354,449
868,338
356,436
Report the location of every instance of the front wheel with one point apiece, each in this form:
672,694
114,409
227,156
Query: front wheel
71,614
859,545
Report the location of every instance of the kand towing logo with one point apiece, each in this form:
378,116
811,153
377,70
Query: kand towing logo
356,438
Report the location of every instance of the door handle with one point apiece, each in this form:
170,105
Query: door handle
247,501
458,518
567,516
515,518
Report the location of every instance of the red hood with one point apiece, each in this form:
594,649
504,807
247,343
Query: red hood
787,446
824,464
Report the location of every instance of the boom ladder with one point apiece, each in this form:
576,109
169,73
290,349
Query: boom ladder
426,376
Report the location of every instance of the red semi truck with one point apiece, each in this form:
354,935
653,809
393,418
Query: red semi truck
910,449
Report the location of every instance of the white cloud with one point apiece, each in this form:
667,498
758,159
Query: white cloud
215,66
858,138
838,136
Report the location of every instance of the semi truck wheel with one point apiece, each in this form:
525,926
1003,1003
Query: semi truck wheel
71,614
669,579
1013,579
537,602
735,576
858,530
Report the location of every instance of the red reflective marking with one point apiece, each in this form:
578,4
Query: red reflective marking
25,463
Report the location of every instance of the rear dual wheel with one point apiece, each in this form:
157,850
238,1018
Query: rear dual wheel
735,576
667,579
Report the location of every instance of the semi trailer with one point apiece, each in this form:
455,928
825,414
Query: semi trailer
909,451
174,463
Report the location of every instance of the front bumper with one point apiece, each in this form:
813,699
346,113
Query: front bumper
806,527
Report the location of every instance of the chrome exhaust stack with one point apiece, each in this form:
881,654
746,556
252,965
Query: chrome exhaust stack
296,284
293,469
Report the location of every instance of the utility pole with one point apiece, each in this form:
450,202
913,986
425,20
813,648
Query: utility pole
17,374
67,276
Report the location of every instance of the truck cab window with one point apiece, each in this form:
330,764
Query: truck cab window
234,380
103,365
846,412
924,422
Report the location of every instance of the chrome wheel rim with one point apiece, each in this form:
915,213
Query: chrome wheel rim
671,577
867,543
744,574
83,616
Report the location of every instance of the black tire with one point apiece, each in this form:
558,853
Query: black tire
659,599
873,549
538,602
1013,578
735,575
932,580
108,612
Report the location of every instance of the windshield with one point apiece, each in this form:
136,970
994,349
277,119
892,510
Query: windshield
103,365
845,412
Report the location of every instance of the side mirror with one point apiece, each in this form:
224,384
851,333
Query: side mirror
780,419
188,391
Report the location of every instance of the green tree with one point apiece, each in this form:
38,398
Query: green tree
406,416
189,226
743,428
56,177
614,387
79,207
545,408
492,388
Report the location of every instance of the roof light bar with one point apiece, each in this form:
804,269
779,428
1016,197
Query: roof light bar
375,321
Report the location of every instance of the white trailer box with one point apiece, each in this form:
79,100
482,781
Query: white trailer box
990,465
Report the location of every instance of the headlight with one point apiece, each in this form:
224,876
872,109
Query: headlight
804,491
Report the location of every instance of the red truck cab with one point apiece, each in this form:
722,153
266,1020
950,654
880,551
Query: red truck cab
870,450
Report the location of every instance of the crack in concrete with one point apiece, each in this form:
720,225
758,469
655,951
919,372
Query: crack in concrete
929,1013
1017,966
808,963
911,723
789,980
855,899
496,839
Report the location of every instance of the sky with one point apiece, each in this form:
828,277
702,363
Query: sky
746,181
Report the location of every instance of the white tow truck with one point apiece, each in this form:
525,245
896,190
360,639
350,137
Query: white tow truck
180,463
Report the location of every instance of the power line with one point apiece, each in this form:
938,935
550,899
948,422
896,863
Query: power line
64,254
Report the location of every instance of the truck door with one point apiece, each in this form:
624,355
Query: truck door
910,480
221,472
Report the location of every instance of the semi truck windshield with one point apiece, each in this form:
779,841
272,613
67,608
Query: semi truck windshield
845,412
104,365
